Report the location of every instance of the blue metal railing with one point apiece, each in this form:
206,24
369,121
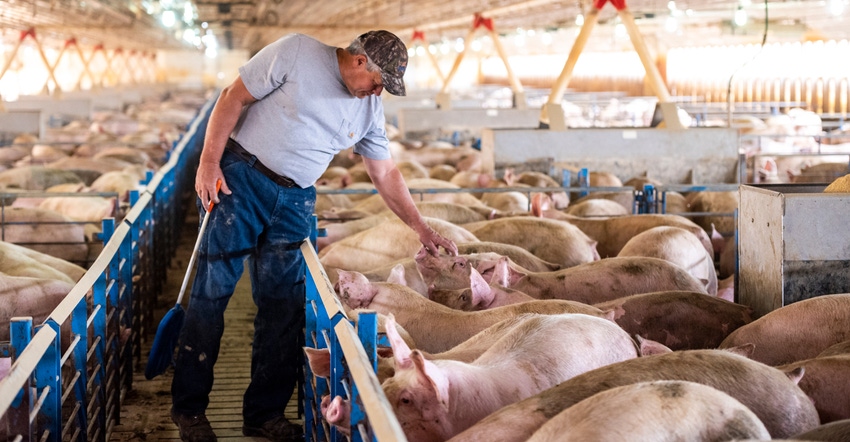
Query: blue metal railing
353,362
70,373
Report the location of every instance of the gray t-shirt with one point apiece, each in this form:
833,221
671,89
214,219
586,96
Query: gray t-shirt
304,113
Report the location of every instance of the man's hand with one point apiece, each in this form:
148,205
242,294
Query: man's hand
205,183
432,241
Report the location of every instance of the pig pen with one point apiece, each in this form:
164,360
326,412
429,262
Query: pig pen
72,374
791,244
419,123
696,155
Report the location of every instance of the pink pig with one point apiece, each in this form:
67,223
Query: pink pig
434,400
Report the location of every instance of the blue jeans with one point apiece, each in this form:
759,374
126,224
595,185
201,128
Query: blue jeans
264,224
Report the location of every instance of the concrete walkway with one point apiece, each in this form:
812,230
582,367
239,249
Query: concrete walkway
145,412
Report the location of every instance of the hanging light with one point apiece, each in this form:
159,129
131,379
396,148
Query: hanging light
459,45
620,30
671,24
836,7
580,20
740,16
168,18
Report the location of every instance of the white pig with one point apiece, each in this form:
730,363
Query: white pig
659,411
434,400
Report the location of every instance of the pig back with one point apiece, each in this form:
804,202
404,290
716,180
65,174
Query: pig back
550,240
613,233
669,410
778,402
796,331
47,232
680,320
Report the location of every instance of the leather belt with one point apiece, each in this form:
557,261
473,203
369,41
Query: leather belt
252,161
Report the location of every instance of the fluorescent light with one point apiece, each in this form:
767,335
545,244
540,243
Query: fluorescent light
740,17
836,7
671,24
168,19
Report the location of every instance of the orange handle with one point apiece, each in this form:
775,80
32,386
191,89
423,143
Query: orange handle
217,188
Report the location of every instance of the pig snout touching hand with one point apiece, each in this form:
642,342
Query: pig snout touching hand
668,411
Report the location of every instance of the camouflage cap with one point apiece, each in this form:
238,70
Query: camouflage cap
389,53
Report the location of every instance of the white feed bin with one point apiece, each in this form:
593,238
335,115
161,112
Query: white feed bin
794,244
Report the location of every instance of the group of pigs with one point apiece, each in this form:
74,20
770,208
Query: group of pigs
46,242
554,325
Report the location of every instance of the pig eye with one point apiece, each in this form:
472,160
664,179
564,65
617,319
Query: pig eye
464,298
460,264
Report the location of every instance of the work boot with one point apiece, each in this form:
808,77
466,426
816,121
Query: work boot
195,428
278,429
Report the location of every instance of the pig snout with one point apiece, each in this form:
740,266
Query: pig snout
337,412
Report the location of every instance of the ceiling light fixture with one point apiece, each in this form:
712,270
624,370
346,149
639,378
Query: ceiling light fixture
836,7
671,24
168,18
740,16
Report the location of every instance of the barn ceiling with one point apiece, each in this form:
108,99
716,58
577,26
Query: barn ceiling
251,24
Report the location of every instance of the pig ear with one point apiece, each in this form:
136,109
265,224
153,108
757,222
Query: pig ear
433,374
745,350
612,314
501,272
400,349
509,176
796,374
319,360
482,294
717,240
397,275
540,203
649,347
594,250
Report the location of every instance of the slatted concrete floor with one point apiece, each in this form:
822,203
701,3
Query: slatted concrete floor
145,413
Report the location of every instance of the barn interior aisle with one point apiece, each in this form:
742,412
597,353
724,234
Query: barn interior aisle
145,412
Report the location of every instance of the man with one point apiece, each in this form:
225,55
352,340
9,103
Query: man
271,135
